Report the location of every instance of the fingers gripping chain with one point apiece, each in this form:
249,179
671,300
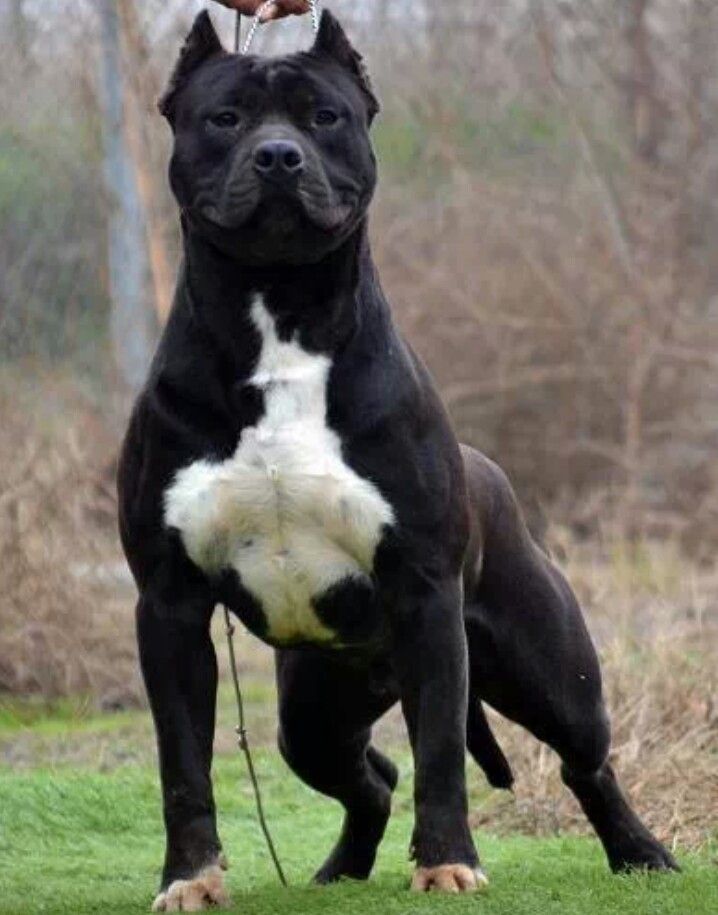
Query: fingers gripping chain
257,21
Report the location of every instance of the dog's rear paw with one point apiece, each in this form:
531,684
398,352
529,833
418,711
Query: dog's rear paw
449,878
203,891
645,855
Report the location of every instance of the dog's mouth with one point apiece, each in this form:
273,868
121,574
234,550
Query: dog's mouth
279,212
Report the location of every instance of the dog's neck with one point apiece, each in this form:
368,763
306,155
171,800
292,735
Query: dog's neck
317,301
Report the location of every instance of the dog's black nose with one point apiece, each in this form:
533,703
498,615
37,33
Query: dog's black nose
278,159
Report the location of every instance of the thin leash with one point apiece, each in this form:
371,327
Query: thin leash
243,742
241,728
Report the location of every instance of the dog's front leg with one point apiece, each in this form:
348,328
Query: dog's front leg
430,657
180,672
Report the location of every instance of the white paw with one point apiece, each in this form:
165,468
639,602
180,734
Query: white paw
449,878
205,890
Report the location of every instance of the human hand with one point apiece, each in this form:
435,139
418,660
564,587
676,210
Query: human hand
276,10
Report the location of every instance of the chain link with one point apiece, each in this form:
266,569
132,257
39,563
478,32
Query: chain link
256,22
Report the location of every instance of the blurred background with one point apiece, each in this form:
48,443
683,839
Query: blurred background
547,230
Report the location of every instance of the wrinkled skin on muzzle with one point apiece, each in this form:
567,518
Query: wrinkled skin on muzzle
272,161
311,192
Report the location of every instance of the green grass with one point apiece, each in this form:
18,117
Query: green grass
83,841
75,715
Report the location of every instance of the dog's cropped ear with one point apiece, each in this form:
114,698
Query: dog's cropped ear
201,44
332,42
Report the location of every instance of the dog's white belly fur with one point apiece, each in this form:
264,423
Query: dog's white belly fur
285,511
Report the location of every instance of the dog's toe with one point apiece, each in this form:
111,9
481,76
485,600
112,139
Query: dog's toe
449,878
205,890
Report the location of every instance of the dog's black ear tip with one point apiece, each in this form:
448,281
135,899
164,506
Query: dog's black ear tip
201,20
329,33
203,31
327,19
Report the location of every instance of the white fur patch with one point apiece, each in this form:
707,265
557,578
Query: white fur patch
203,891
285,511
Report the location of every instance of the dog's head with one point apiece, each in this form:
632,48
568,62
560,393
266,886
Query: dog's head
272,160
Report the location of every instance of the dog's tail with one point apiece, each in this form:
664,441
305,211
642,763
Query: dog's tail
485,749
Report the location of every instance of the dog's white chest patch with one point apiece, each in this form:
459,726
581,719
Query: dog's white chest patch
285,511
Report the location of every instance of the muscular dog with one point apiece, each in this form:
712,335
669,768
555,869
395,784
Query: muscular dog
289,457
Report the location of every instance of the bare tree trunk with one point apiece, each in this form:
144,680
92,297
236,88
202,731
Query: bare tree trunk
133,324
20,32
699,66
141,97
616,220
646,111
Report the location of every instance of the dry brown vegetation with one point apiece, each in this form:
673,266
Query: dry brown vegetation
61,633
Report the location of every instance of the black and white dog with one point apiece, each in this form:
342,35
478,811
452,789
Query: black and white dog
290,458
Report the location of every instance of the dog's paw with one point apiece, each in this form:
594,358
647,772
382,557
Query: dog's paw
203,891
646,854
449,878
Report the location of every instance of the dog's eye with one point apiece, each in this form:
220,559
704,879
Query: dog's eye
325,117
224,119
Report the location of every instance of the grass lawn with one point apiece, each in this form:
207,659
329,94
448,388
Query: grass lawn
80,840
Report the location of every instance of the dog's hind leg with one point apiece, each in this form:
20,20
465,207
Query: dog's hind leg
532,659
484,747
326,709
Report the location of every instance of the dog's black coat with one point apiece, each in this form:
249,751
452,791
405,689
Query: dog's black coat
456,570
